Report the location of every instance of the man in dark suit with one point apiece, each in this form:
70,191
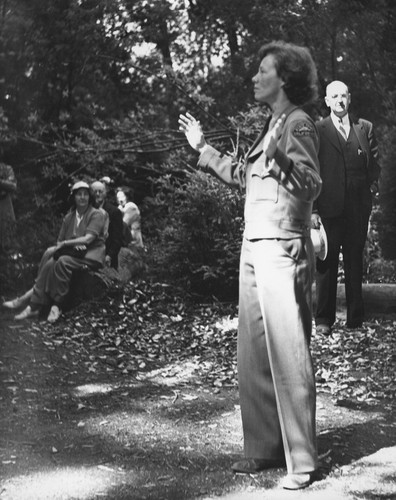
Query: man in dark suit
115,230
348,158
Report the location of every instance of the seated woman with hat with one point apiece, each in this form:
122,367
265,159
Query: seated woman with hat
81,243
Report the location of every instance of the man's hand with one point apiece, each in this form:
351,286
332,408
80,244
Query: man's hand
316,221
271,138
193,131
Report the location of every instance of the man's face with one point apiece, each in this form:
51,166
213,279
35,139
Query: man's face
267,83
338,98
99,192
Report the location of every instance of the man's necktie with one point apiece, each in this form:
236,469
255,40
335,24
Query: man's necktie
342,130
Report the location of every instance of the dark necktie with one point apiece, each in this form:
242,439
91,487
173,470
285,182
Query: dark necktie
342,130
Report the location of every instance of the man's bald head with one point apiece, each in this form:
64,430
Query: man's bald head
338,98
98,185
99,191
336,86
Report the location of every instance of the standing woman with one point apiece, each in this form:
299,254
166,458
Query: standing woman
280,174
131,217
81,243
8,186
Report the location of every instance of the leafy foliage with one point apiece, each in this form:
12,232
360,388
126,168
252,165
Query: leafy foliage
198,233
386,222
94,88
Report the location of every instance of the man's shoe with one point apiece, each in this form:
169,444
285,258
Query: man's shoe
296,481
28,312
14,304
54,314
323,330
255,465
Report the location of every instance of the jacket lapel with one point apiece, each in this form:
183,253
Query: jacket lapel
363,140
330,132
253,152
362,137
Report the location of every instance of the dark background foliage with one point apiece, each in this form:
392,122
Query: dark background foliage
92,88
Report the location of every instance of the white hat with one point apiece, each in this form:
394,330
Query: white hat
79,185
319,240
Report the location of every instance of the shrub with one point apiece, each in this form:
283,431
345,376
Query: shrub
196,223
35,231
387,222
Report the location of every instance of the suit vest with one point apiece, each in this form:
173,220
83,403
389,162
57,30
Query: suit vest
354,157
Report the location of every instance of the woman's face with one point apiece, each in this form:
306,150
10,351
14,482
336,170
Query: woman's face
81,197
121,198
267,83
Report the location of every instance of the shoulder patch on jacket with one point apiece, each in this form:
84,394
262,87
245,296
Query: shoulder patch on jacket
303,128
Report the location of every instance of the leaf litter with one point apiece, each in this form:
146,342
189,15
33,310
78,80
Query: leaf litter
156,328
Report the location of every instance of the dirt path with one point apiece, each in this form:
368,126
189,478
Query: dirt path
71,428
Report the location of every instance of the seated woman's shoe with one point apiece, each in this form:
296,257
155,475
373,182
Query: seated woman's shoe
28,312
297,481
14,304
19,301
54,314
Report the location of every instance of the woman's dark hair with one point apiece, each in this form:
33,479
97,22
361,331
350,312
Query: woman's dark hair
295,66
128,191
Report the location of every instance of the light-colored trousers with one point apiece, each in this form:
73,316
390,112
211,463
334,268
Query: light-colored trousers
275,372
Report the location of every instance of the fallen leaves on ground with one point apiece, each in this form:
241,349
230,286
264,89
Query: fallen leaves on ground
358,365
152,326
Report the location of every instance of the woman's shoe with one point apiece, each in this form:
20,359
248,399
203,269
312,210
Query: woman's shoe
28,312
297,481
19,301
14,304
54,314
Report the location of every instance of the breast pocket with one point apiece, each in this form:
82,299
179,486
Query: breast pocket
262,186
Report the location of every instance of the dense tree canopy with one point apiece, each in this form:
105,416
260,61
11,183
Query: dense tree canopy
94,87
72,61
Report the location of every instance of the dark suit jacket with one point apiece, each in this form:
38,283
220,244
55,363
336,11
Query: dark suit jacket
330,202
114,240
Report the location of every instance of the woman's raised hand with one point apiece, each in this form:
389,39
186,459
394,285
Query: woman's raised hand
193,131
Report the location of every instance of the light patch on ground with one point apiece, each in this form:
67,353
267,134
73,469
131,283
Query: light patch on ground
66,483
373,476
174,373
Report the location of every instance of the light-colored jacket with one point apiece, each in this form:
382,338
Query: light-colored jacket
93,222
279,194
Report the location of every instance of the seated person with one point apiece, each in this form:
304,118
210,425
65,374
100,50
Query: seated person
114,240
131,217
81,243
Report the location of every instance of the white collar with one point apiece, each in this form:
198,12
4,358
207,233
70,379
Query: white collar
79,218
337,120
